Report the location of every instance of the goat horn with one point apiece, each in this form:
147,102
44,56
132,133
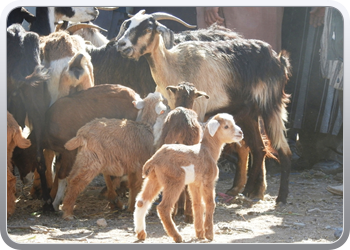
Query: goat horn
166,16
72,29
107,8
141,12
58,26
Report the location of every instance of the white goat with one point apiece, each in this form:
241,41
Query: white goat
175,165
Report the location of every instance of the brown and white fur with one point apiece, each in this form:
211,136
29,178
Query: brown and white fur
15,138
175,165
70,65
181,126
113,147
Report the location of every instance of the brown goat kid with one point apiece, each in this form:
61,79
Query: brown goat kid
175,165
113,147
181,126
15,138
62,123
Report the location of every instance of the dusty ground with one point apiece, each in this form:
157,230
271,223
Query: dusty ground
311,215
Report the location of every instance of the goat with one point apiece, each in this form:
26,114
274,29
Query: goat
89,32
17,15
113,147
110,66
181,126
249,76
70,70
62,123
27,93
47,17
175,165
15,138
70,66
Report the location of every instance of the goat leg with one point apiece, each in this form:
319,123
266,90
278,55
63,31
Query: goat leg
170,196
112,196
44,187
188,207
241,170
285,171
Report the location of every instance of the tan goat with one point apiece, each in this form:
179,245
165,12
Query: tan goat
15,138
113,147
175,165
70,65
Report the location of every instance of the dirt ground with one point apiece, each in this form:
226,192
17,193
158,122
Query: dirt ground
312,215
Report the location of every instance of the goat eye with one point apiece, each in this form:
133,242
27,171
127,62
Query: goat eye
149,30
226,127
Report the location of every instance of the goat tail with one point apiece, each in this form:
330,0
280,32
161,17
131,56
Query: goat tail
74,143
147,169
23,142
274,112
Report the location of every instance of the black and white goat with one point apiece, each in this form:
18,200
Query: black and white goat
18,15
243,77
48,17
27,93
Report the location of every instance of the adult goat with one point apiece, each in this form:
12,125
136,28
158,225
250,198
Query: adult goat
27,93
249,82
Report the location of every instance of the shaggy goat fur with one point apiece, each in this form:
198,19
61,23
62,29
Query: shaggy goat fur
113,147
62,123
70,66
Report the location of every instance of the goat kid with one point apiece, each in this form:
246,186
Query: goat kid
15,138
175,165
62,123
113,147
181,126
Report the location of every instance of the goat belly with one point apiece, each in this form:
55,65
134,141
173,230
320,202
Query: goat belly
189,174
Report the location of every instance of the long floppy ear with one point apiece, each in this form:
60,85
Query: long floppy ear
139,104
213,126
167,34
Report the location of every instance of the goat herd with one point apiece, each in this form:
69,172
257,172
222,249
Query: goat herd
150,105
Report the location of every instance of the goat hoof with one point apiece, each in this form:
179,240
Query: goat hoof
280,204
200,234
116,205
48,207
67,217
142,235
209,235
177,239
281,201
232,192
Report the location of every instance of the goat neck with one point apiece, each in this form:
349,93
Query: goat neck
212,145
159,60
